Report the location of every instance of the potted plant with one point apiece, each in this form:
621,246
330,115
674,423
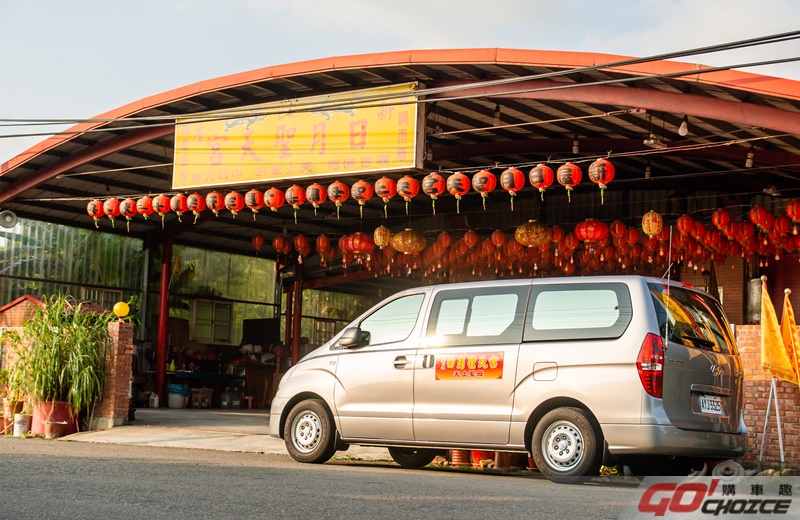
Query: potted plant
62,353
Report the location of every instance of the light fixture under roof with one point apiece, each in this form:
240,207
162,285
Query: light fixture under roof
772,191
653,141
683,130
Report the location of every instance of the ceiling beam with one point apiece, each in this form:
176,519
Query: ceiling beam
84,156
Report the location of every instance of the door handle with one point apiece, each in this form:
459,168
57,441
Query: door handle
401,362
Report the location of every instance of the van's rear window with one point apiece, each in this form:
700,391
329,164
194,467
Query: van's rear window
578,311
689,317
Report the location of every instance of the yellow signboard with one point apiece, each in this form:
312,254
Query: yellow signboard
364,131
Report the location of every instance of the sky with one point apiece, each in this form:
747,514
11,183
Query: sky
77,59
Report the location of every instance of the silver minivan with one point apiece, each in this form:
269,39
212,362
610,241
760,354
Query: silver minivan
577,372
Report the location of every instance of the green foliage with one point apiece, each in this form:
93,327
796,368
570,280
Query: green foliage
63,351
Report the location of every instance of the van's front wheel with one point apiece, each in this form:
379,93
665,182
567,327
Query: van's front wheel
309,432
566,446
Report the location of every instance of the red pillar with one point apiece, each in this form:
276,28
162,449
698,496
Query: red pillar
163,320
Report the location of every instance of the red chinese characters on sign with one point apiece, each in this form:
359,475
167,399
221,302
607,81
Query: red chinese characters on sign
358,134
472,365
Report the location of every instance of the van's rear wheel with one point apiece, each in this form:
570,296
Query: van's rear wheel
566,446
309,432
413,457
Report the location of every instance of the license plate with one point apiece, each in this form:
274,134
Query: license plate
711,404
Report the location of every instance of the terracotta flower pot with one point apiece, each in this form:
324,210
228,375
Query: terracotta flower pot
55,429
55,412
459,458
479,455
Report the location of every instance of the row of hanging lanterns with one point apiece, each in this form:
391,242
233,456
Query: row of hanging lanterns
458,184
592,246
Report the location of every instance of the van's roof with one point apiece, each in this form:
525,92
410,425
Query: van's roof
625,278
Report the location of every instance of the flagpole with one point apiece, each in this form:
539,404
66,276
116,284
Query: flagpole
778,419
766,422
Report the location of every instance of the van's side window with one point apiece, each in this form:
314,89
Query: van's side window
394,321
486,316
578,311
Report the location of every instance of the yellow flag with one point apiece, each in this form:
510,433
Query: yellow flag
774,360
791,341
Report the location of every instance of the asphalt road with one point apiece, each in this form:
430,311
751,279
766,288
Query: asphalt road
60,479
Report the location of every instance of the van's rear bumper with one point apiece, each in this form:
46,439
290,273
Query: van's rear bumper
650,439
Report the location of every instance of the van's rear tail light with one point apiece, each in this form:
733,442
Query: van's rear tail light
650,365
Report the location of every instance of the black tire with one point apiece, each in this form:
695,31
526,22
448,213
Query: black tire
309,432
567,447
413,457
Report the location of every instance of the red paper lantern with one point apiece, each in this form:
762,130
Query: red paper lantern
591,230
758,215
215,201
484,182
541,177
296,196
632,235
471,238
234,202
281,244
684,224
360,244
254,199
601,172
385,188
732,230
127,208
445,239
274,199
316,195
747,231
617,229
782,225
196,203
338,192
558,232
95,210
407,187
361,191
111,209
161,206
302,247
322,243
145,206
512,180
569,175
698,230
179,205
720,218
793,212
258,241
458,185
433,185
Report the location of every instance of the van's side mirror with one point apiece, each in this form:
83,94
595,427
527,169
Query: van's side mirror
354,337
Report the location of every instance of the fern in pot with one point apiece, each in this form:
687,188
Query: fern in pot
63,350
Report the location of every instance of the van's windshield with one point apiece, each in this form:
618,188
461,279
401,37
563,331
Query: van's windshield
692,318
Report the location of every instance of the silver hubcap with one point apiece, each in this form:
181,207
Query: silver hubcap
562,446
306,432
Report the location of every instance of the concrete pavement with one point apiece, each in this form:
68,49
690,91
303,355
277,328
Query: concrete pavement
209,429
